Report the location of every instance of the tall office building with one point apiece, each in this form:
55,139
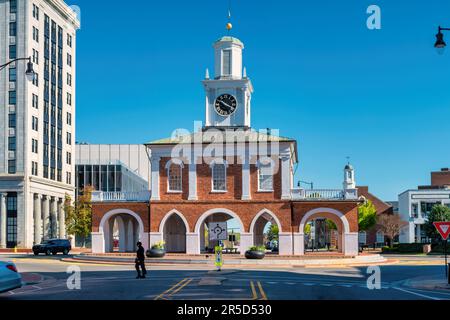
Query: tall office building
37,119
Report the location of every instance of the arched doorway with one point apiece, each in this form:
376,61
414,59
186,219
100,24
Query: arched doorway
323,218
266,229
173,228
234,225
121,230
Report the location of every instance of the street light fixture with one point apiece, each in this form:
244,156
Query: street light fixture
29,73
440,43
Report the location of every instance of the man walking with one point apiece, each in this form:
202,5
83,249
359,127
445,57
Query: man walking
140,262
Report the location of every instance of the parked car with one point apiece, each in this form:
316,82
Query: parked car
10,278
53,246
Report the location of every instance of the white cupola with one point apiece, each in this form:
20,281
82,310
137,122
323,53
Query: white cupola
349,177
228,58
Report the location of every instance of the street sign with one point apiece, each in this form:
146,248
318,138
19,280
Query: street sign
443,228
218,257
218,231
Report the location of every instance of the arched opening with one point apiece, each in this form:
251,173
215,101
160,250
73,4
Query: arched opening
322,235
121,230
324,230
174,228
266,228
235,227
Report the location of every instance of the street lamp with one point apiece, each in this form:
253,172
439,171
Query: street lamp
440,43
311,184
29,73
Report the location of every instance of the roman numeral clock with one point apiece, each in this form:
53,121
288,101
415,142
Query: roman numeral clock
225,104
228,95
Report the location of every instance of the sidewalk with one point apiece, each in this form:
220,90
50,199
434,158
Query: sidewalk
233,260
428,283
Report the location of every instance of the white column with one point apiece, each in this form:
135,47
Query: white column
130,236
62,219
351,244
45,217
37,215
98,242
246,242
299,244
418,233
192,180
3,220
155,178
285,243
246,177
54,217
192,243
285,177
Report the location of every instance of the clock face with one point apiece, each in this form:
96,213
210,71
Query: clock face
225,105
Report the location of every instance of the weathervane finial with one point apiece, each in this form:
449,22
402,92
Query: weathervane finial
229,25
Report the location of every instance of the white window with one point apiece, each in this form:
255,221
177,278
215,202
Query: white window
174,176
219,176
265,174
362,237
226,62
380,237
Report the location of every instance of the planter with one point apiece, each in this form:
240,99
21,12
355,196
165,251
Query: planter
155,253
255,254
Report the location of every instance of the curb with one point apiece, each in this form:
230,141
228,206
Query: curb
376,260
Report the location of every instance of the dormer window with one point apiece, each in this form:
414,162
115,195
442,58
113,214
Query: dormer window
226,62
174,175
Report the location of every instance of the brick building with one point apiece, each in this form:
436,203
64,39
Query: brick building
226,171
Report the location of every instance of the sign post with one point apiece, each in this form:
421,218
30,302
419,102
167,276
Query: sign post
444,230
218,232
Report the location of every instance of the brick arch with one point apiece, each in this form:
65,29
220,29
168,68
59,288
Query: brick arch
217,210
329,213
259,214
168,215
114,212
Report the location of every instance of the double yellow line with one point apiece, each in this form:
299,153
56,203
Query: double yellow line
254,292
174,289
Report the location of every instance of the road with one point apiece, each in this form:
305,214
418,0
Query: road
200,282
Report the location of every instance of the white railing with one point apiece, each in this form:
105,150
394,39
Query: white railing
324,194
100,196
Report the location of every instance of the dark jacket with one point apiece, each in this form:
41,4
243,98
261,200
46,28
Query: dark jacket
140,253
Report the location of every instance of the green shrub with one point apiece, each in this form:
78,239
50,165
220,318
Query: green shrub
411,247
159,245
257,248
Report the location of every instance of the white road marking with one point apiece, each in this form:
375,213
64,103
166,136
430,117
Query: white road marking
417,294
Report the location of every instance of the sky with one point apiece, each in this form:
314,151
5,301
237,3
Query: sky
380,97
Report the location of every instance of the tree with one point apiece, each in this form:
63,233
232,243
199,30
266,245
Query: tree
79,214
390,225
367,216
438,213
272,233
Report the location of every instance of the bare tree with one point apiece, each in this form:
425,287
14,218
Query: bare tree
390,224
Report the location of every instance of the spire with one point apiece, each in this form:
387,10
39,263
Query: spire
207,74
245,73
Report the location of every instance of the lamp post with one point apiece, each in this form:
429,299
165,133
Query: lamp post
440,43
29,72
311,184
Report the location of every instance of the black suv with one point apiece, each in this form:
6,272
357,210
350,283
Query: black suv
52,246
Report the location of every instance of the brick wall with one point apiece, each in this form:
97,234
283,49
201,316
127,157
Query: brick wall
440,178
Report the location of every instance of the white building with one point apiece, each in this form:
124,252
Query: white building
414,207
112,168
37,123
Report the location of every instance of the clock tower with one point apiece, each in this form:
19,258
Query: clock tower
228,94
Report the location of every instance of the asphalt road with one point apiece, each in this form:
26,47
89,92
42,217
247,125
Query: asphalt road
111,282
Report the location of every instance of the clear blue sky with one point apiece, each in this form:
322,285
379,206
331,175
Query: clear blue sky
320,76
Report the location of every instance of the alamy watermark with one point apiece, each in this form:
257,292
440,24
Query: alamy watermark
74,280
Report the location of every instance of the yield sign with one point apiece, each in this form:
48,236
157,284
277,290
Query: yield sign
443,228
